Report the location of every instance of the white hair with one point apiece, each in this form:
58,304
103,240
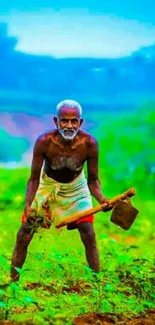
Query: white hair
69,103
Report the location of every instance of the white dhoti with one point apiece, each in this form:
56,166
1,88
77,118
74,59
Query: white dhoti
55,200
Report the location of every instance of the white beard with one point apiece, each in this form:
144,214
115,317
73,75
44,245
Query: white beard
67,136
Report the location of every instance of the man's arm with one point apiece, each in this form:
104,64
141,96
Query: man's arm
33,182
92,167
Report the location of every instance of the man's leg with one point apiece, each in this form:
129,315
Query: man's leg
24,237
87,234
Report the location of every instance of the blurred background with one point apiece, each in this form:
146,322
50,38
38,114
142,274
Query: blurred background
100,53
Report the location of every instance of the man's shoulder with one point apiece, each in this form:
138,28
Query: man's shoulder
45,137
89,138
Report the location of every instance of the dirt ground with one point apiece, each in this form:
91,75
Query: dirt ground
109,319
92,318
103,319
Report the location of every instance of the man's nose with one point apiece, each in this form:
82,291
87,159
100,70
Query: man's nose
69,124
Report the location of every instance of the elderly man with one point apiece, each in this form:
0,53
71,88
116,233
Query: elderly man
57,186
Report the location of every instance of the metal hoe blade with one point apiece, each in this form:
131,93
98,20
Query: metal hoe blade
123,214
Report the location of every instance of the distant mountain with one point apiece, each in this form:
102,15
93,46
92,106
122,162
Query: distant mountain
147,52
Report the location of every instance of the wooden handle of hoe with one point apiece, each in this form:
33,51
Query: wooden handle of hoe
79,215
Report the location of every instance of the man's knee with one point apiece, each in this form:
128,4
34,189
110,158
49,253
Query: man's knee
87,233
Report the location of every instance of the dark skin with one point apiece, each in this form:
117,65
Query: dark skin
63,161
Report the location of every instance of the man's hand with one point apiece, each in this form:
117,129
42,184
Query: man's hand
107,207
27,210
29,213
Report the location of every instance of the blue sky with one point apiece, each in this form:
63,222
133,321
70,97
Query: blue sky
109,28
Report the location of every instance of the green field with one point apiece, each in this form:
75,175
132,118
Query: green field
56,284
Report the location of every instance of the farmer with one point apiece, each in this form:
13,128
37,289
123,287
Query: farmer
57,186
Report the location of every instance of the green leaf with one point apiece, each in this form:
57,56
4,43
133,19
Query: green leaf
95,292
109,287
3,304
14,286
28,299
148,304
48,265
20,271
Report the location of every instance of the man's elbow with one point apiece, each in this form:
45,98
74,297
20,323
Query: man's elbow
93,181
33,179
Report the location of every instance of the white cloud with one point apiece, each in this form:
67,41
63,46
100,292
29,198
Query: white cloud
77,33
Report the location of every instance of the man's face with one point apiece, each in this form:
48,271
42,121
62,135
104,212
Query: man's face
68,122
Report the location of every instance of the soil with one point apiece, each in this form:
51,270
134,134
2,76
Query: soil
115,319
103,319
147,318
79,287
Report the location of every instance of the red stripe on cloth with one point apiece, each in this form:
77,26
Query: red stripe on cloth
89,218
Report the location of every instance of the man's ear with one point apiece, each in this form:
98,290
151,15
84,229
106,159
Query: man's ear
55,119
81,121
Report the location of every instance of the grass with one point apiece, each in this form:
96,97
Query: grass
56,284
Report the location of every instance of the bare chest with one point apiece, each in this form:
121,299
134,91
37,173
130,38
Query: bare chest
61,158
